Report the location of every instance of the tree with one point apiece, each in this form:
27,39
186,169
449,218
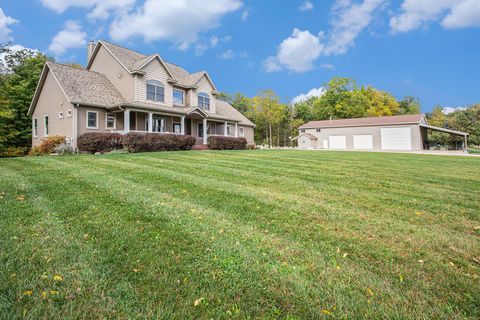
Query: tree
409,105
269,109
381,103
21,72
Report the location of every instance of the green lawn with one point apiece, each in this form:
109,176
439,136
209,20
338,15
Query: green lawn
246,234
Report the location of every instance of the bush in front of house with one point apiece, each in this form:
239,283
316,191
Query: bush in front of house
93,142
145,142
47,145
226,143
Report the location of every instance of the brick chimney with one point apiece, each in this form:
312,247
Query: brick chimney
90,47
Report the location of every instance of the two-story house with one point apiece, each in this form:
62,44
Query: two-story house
123,91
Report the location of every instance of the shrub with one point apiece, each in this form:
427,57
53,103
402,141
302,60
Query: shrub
227,143
64,149
141,142
13,152
47,146
93,142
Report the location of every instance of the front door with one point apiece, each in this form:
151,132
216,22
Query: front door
200,130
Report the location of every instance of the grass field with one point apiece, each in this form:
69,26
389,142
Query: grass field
258,234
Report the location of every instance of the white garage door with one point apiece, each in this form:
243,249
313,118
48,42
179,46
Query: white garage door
363,142
337,142
396,138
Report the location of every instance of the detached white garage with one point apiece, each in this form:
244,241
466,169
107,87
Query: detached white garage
402,133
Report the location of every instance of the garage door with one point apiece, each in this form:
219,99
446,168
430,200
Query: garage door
396,138
337,142
363,142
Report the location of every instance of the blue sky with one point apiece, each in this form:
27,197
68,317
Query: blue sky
425,48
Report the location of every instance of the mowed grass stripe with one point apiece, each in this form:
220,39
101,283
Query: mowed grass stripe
276,243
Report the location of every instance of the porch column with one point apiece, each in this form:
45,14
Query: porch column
205,138
225,129
182,125
126,121
236,130
150,121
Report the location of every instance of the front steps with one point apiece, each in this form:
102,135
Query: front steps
200,147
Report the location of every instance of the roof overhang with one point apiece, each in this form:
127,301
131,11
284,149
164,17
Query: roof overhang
197,110
458,133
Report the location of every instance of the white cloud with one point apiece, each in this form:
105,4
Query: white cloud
296,53
70,37
101,8
327,66
451,14
5,31
227,55
245,15
447,110
315,92
204,44
177,21
306,6
299,52
350,20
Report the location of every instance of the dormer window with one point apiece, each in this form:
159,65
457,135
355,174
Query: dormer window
203,101
155,91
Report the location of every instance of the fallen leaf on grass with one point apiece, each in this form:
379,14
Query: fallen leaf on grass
421,261
44,295
345,254
21,197
57,278
197,302
419,213
327,312
28,293
136,270
54,292
370,292
401,278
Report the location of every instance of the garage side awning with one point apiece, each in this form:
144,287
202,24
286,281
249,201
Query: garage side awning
458,133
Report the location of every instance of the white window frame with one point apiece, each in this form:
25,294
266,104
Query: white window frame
177,124
241,131
60,115
114,121
86,119
183,97
69,113
156,84
46,128
35,127
204,95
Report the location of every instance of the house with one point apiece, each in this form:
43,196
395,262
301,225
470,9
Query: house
405,132
123,91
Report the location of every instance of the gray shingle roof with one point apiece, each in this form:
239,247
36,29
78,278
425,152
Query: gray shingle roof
126,56
409,118
225,111
88,87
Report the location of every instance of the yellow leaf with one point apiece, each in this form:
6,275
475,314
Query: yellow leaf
136,270
345,254
418,213
21,197
28,293
401,278
327,312
54,292
57,278
370,292
452,264
44,295
197,302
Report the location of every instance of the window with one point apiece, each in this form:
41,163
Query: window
229,130
158,124
318,130
200,130
241,132
60,115
302,130
110,121
212,128
45,128
178,97
155,91
92,119
203,101
69,113
177,128
35,128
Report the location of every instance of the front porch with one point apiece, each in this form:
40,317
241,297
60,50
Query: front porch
194,124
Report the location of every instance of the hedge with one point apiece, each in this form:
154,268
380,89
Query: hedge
93,142
47,145
226,143
142,142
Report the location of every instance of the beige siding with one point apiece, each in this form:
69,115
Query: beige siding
203,86
50,103
155,71
105,63
306,143
248,134
82,120
349,132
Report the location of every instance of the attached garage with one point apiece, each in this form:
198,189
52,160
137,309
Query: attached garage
337,142
362,142
396,138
